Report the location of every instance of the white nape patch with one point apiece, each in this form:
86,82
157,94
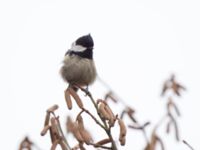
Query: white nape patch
77,48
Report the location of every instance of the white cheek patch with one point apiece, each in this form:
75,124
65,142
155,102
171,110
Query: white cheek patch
77,48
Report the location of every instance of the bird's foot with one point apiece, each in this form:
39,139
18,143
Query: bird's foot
86,90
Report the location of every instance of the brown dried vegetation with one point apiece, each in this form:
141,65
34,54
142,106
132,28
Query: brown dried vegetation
106,119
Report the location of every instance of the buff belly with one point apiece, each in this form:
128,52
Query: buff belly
78,70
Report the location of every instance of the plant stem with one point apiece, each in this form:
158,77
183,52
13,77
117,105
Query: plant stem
105,127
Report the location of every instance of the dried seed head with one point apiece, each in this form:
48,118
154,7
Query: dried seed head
52,135
122,133
122,141
110,96
25,144
153,142
54,126
101,101
47,118
68,99
122,127
130,110
102,142
83,132
76,97
45,129
76,133
112,117
52,109
86,136
69,124
172,84
80,122
103,112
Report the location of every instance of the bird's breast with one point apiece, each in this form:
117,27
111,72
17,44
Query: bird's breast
78,70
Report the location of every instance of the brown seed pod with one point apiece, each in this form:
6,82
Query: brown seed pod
122,133
111,115
76,97
122,128
101,101
47,118
80,122
45,129
81,146
76,133
54,126
52,109
85,135
52,135
122,141
102,142
69,124
103,112
25,144
152,143
68,99
111,96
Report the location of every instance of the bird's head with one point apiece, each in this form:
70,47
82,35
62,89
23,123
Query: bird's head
82,43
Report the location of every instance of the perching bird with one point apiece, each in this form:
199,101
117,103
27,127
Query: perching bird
78,65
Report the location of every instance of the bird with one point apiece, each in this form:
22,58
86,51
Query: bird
78,65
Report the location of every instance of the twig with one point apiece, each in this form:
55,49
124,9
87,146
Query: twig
62,135
101,146
105,127
186,143
86,111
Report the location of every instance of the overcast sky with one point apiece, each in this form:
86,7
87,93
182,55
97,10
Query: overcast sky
138,44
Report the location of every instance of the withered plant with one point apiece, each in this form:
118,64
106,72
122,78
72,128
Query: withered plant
104,118
171,89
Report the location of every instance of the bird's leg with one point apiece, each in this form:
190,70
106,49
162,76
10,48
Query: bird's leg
85,90
87,93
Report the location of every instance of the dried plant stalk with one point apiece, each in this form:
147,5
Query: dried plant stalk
110,95
54,145
102,142
186,143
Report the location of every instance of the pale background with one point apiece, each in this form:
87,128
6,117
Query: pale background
138,44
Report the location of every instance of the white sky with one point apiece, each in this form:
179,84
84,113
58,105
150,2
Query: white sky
138,44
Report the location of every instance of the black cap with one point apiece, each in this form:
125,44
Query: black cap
85,41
